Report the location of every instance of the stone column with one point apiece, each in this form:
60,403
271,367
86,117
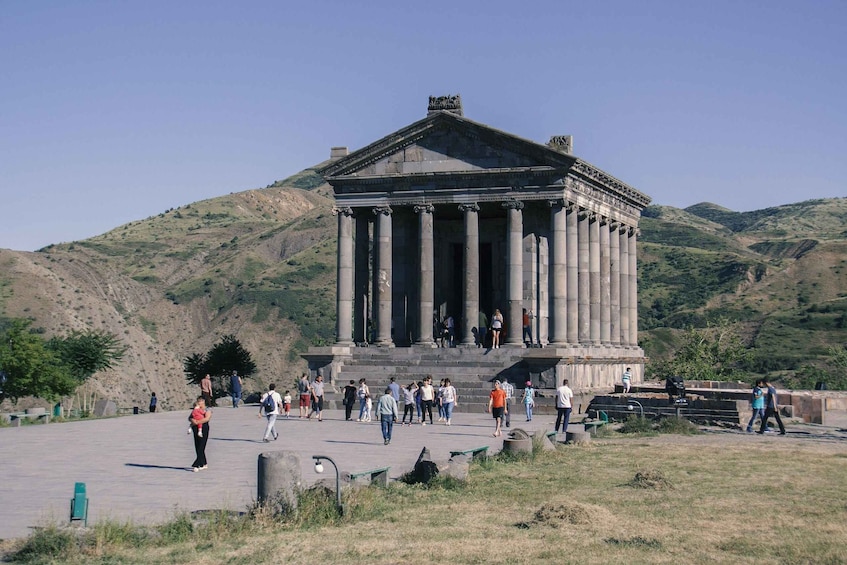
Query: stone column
427,275
470,315
514,273
623,237
605,291
558,273
344,286
633,289
573,274
614,284
594,278
583,293
382,274
361,278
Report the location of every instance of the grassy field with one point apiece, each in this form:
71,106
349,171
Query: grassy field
708,498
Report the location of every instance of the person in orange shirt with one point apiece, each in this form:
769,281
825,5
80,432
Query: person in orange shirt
497,406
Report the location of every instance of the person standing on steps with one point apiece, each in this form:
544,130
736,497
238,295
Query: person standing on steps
496,328
626,380
527,327
564,402
269,406
771,409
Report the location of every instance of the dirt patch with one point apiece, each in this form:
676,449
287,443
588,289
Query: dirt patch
653,479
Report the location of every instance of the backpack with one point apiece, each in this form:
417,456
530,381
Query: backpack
268,405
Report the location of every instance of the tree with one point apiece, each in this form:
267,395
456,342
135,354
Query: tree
714,353
87,352
29,367
220,361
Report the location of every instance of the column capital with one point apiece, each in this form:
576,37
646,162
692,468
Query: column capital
424,208
604,220
342,210
384,210
473,207
571,207
614,225
623,228
557,203
512,205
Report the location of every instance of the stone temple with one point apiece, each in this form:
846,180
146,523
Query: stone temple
451,217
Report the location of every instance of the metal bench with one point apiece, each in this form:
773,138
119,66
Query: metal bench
375,476
16,418
474,452
79,504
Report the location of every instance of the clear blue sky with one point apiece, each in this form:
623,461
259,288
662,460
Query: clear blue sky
115,111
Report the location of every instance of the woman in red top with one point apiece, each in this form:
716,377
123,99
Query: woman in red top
497,406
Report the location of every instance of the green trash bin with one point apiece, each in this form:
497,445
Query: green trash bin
57,410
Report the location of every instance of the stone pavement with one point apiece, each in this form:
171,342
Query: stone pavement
137,468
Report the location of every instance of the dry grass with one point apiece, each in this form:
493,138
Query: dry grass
735,499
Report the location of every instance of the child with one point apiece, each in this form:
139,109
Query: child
368,408
286,403
196,414
529,400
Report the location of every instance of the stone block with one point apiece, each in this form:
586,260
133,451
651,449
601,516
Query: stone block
104,408
279,479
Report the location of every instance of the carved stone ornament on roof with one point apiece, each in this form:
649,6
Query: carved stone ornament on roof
512,205
386,210
343,210
469,207
451,103
557,203
424,208
563,143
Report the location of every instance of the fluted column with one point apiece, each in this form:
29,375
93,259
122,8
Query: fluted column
633,289
470,315
573,274
623,237
614,284
558,273
594,277
583,279
605,291
383,274
427,274
361,277
344,286
514,272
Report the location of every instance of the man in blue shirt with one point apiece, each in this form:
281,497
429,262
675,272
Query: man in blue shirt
235,384
395,390
758,405
771,409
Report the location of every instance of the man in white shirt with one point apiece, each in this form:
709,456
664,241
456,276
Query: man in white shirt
270,412
564,398
509,389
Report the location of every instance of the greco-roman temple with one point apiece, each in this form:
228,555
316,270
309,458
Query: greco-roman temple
451,217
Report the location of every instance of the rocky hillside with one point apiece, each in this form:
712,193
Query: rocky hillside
260,264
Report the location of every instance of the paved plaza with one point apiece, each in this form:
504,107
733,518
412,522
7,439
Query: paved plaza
136,468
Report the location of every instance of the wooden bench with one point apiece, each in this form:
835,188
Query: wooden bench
378,476
79,504
474,452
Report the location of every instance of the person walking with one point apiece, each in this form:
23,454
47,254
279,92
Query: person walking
318,397
497,406
304,393
364,393
496,328
200,427
449,400
757,403
235,386
206,389
153,402
395,390
771,409
564,400
509,389
269,406
529,400
427,399
409,403
387,411
626,380
349,400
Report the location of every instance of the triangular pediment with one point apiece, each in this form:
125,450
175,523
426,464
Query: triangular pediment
445,143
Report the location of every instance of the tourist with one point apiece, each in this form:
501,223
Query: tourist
418,406
438,400
450,326
771,409
509,389
235,385
153,402
496,328
427,398
482,329
527,327
529,400
387,411
409,403
206,389
364,393
757,402
564,403
286,403
395,390
497,406
449,400
369,409
318,397
201,433
269,406
626,380
196,414
349,400
304,391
